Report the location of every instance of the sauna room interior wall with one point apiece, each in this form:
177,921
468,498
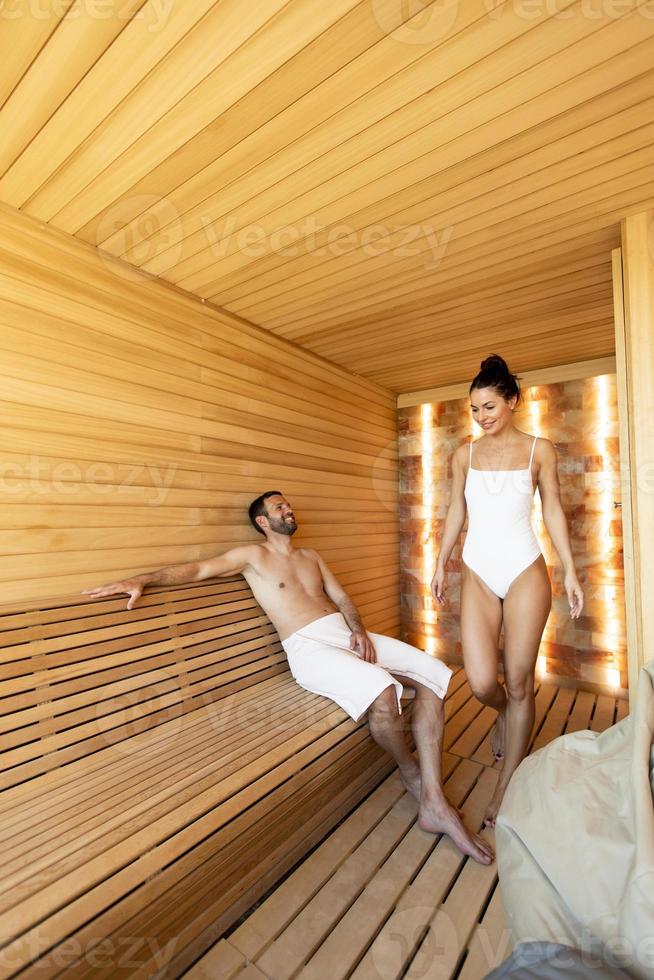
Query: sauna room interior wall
580,417
137,424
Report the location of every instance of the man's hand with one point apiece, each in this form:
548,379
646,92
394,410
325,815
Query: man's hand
361,642
133,586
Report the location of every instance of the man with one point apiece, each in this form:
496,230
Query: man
330,653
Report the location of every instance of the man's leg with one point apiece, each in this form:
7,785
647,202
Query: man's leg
387,729
358,686
436,814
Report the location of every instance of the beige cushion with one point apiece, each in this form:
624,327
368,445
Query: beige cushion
575,841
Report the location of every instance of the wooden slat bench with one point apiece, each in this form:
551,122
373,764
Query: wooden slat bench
380,899
160,771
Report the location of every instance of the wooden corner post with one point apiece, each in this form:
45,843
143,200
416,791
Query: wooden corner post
633,282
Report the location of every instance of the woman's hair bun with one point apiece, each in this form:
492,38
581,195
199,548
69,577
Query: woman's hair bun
494,373
494,362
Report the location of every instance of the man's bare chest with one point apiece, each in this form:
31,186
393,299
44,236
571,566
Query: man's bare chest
297,574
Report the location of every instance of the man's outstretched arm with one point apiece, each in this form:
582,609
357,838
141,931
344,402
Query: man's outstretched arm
230,563
333,588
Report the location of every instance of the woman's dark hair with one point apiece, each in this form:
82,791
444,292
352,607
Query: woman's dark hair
494,373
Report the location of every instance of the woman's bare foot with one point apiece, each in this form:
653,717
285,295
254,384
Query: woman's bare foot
439,817
497,736
493,807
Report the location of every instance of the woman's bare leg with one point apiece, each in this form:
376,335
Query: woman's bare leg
481,620
526,608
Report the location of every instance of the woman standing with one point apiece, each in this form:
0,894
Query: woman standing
504,576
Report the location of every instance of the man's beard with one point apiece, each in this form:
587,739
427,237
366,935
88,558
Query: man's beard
282,526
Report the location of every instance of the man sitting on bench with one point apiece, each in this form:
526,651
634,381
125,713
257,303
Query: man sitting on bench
330,653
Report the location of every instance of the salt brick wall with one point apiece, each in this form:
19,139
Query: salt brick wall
571,416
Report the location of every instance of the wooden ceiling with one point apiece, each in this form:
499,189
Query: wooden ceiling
401,186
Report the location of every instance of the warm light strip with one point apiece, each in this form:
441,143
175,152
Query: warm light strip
611,623
428,556
536,428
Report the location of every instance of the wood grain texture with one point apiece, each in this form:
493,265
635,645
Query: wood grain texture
383,183
634,335
160,769
137,425
380,897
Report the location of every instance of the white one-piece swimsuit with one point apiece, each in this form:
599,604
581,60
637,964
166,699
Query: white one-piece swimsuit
500,542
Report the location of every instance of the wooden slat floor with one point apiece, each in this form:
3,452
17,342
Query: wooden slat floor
380,899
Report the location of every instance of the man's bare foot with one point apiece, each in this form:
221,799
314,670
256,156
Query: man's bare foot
413,785
411,781
493,807
497,736
441,818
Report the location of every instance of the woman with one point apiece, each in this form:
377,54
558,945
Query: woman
504,577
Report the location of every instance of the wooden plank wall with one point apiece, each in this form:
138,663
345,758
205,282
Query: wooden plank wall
138,422
581,419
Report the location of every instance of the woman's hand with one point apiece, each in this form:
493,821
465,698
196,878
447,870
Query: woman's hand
438,584
575,594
